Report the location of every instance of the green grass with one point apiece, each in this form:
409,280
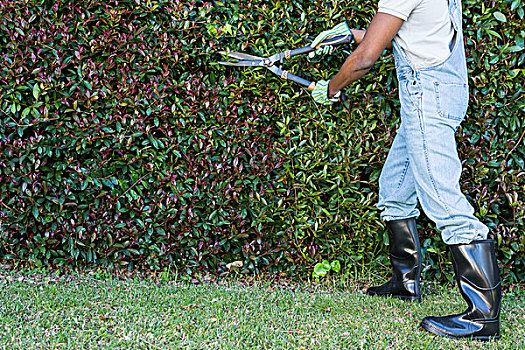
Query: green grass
42,311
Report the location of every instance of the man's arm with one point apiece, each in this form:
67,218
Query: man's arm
377,37
359,34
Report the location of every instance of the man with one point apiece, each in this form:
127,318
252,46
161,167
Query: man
423,164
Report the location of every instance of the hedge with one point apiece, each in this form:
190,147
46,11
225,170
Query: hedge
124,145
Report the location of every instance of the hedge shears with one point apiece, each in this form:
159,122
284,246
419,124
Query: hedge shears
245,60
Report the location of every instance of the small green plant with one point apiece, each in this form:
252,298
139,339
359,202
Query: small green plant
102,275
168,275
323,268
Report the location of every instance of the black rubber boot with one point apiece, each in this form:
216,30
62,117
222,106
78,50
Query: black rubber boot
405,257
478,281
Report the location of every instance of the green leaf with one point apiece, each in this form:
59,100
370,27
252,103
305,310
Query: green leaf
36,212
500,16
36,91
336,266
321,269
228,29
26,111
491,32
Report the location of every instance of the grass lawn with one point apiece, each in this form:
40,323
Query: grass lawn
43,311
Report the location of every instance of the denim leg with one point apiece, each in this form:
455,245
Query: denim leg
397,192
431,146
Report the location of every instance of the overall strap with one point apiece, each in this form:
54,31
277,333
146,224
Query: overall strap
455,13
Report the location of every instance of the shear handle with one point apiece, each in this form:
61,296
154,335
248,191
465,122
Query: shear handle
301,81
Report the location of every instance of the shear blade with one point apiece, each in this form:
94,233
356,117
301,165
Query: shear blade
242,63
240,56
226,63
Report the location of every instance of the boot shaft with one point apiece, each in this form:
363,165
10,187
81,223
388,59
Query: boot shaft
405,249
478,280
478,277
405,258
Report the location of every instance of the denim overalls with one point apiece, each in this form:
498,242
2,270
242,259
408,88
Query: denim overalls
423,162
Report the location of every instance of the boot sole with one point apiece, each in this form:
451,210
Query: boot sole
402,297
431,329
416,299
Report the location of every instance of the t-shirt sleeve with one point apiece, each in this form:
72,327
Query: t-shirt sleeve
399,8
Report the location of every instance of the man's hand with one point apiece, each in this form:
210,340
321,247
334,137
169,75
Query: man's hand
320,93
340,29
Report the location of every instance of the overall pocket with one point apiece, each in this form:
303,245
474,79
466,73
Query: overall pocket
410,91
451,100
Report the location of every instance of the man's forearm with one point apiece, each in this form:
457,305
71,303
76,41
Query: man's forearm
371,44
354,68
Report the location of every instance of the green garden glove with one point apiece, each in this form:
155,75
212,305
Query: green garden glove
320,93
324,50
340,29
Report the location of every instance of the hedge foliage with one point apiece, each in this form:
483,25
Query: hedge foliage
122,143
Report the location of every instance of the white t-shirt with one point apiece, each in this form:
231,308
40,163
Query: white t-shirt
427,32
